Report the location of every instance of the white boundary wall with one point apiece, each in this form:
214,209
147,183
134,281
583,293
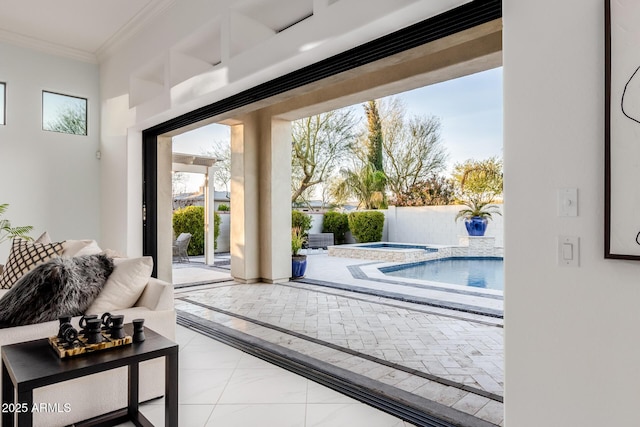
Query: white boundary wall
224,236
435,225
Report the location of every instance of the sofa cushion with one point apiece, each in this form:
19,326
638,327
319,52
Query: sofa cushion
73,248
24,256
124,286
59,287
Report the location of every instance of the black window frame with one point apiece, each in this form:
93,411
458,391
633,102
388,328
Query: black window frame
458,19
86,113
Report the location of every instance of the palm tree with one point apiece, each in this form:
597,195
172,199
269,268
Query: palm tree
363,184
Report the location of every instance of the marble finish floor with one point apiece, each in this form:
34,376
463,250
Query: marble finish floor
221,386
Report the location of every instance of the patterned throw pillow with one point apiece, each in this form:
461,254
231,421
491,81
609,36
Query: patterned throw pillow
25,256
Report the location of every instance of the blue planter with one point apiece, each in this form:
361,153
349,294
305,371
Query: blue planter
476,226
298,266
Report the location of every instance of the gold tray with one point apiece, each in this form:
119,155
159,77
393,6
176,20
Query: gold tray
83,347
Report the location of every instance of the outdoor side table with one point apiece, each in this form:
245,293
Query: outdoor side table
34,364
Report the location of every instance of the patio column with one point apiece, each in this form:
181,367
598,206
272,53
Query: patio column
261,199
209,211
244,208
275,200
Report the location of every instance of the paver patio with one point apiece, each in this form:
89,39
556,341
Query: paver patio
447,356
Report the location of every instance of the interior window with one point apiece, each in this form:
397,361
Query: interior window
64,113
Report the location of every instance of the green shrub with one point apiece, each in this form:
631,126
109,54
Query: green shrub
336,223
366,226
216,230
223,208
191,220
301,220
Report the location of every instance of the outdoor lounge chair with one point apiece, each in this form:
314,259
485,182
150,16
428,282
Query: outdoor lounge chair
180,247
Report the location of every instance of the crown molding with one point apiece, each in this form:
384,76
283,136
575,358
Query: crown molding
135,24
33,43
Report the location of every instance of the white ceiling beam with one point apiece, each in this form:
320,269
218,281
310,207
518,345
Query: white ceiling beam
241,33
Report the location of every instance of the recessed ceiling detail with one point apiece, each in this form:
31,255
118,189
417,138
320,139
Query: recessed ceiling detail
73,28
275,14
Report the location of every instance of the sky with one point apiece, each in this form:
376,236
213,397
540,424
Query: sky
469,109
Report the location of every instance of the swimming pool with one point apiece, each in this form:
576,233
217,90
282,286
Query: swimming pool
475,272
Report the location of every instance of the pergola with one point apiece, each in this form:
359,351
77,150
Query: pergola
192,163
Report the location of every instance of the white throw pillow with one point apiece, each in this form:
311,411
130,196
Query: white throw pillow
124,286
80,247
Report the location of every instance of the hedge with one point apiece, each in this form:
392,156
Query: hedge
366,226
191,220
336,223
302,220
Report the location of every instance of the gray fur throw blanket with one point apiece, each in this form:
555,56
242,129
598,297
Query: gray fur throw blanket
58,287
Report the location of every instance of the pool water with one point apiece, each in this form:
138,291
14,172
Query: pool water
475,272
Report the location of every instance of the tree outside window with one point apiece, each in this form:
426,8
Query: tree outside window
64,113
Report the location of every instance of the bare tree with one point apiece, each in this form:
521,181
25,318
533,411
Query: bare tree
70,119
319,144
413,150
178,183
221,150
479,179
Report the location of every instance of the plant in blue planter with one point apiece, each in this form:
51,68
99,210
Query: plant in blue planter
477,215
298,261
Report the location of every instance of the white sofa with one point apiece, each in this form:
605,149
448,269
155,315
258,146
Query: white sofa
101,393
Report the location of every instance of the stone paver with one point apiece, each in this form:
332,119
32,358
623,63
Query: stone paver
453,353
432,344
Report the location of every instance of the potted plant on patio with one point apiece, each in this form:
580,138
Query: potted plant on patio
298,261
477,215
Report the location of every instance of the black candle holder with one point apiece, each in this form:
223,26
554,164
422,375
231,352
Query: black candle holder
138,330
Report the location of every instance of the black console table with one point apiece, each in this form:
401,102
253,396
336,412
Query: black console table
34,364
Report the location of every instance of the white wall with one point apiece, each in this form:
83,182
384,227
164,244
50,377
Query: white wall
316,222
435,225
572,350
224,238
51,180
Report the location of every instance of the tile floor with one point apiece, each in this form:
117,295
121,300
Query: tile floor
223,387
472,342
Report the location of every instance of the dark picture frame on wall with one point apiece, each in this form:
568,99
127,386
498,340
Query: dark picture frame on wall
622,129
3,103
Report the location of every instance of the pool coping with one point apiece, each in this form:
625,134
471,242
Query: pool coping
470,246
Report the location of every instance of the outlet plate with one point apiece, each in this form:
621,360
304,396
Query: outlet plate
568,251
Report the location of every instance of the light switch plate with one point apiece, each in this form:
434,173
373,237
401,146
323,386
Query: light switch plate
569,251
568,202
